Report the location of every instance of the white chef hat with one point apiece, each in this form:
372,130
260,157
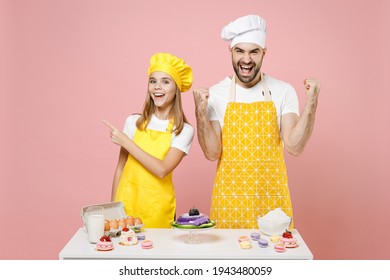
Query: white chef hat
247,29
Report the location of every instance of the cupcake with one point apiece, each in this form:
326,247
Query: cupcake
105,244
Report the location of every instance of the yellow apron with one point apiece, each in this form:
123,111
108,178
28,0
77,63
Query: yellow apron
251,175
143,194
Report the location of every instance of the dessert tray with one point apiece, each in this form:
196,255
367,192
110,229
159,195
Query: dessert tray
211,224
192,237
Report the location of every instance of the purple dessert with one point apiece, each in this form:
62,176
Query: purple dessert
262,243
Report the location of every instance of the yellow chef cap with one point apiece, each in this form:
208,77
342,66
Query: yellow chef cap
175,67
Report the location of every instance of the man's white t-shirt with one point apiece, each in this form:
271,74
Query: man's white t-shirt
182,141
282,94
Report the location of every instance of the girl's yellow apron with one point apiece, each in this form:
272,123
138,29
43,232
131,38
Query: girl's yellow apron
251,175
143,194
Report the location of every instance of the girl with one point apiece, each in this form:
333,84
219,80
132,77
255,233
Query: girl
153,144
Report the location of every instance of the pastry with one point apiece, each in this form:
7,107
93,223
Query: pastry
255,236
289,242
147,244
243,238
105,244
140,236
245,244
280,248
128,237
193,219
274,238
262,243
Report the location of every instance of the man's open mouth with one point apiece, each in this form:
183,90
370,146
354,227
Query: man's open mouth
246,69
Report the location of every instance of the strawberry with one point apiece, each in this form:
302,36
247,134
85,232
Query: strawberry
105,238
287,234
125,229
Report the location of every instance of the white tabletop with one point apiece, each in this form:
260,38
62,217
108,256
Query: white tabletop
170,244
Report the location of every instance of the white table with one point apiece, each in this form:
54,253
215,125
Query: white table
170,244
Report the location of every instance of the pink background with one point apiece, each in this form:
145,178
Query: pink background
66,65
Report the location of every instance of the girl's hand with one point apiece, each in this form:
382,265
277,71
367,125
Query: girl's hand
117,136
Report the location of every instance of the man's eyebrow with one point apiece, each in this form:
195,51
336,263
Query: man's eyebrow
252,50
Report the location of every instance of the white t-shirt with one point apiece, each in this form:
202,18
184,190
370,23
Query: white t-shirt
182,141
282,94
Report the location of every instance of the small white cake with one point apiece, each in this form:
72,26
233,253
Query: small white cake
128,237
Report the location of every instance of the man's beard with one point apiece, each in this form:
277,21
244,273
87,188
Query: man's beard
246,79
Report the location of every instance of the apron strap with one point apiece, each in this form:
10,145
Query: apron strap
266,92
170,126
232,91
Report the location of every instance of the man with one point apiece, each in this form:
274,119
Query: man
244,122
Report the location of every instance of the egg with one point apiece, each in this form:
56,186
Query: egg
106,225
130,221
137,221
121,223
113,224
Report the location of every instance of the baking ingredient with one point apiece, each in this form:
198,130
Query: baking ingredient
106,225
121,223
137,221
276,214
95,226
130,221
113,224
